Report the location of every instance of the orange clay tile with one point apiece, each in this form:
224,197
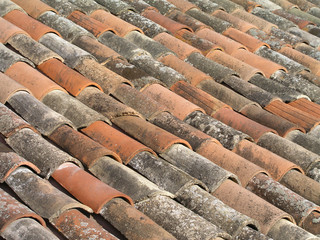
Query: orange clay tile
8,87
10,161
228,45
230,161
66,77
199,97
251,205
171,25
71,223
309,62
311,223
80,146
274,164
33,27
204,45
115,141
191,73
251,43
281,125
91,24
241,123
147,133
239,24
8,30
120,26
12,210
34,8
182,49
243,69
183,5
266,66
29,77
293,114
11,122
255,20
85,187
306,106
177,105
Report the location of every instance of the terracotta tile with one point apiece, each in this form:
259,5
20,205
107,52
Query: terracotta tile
28,228
9,87
306,106
299,155
182,49
91,24
145,105
104,104
71,223
227,44
302,23
80,146
168,213
227,136
274,164
266,66
307,187
179,106
241,123
237,23
243,69
86,188
225,94
247,4
281,125
230,161
131,222
115,141
9,6
170,25
13,210
64,7
10,161
199,97
38,84
162,6
8,30
294,115
204,45
66,77
250,204
310,77
150,28
40,152
183,5
186,19
152,136
183,130
34,8
40,195
153,47
28,24
302,58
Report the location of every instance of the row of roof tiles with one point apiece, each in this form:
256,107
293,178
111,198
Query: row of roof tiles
206,103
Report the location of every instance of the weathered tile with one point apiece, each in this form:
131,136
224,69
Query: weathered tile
12,210
248,232
305,15
310,77
64,7
71,223
66,77
168,213
115,141
33,27
307,141
27,228
140,6
206,6
247,5
40,195
163,6
78,113
308,50
131,222
80,146
268,4
115,6
306,106
8,30
183,5
8,6
302,23
87,6
40,152
228,5
120,26
305,36
34,8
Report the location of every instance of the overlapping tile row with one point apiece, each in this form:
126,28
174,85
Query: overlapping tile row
212,96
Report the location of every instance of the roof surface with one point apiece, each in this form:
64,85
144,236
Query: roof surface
159,119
